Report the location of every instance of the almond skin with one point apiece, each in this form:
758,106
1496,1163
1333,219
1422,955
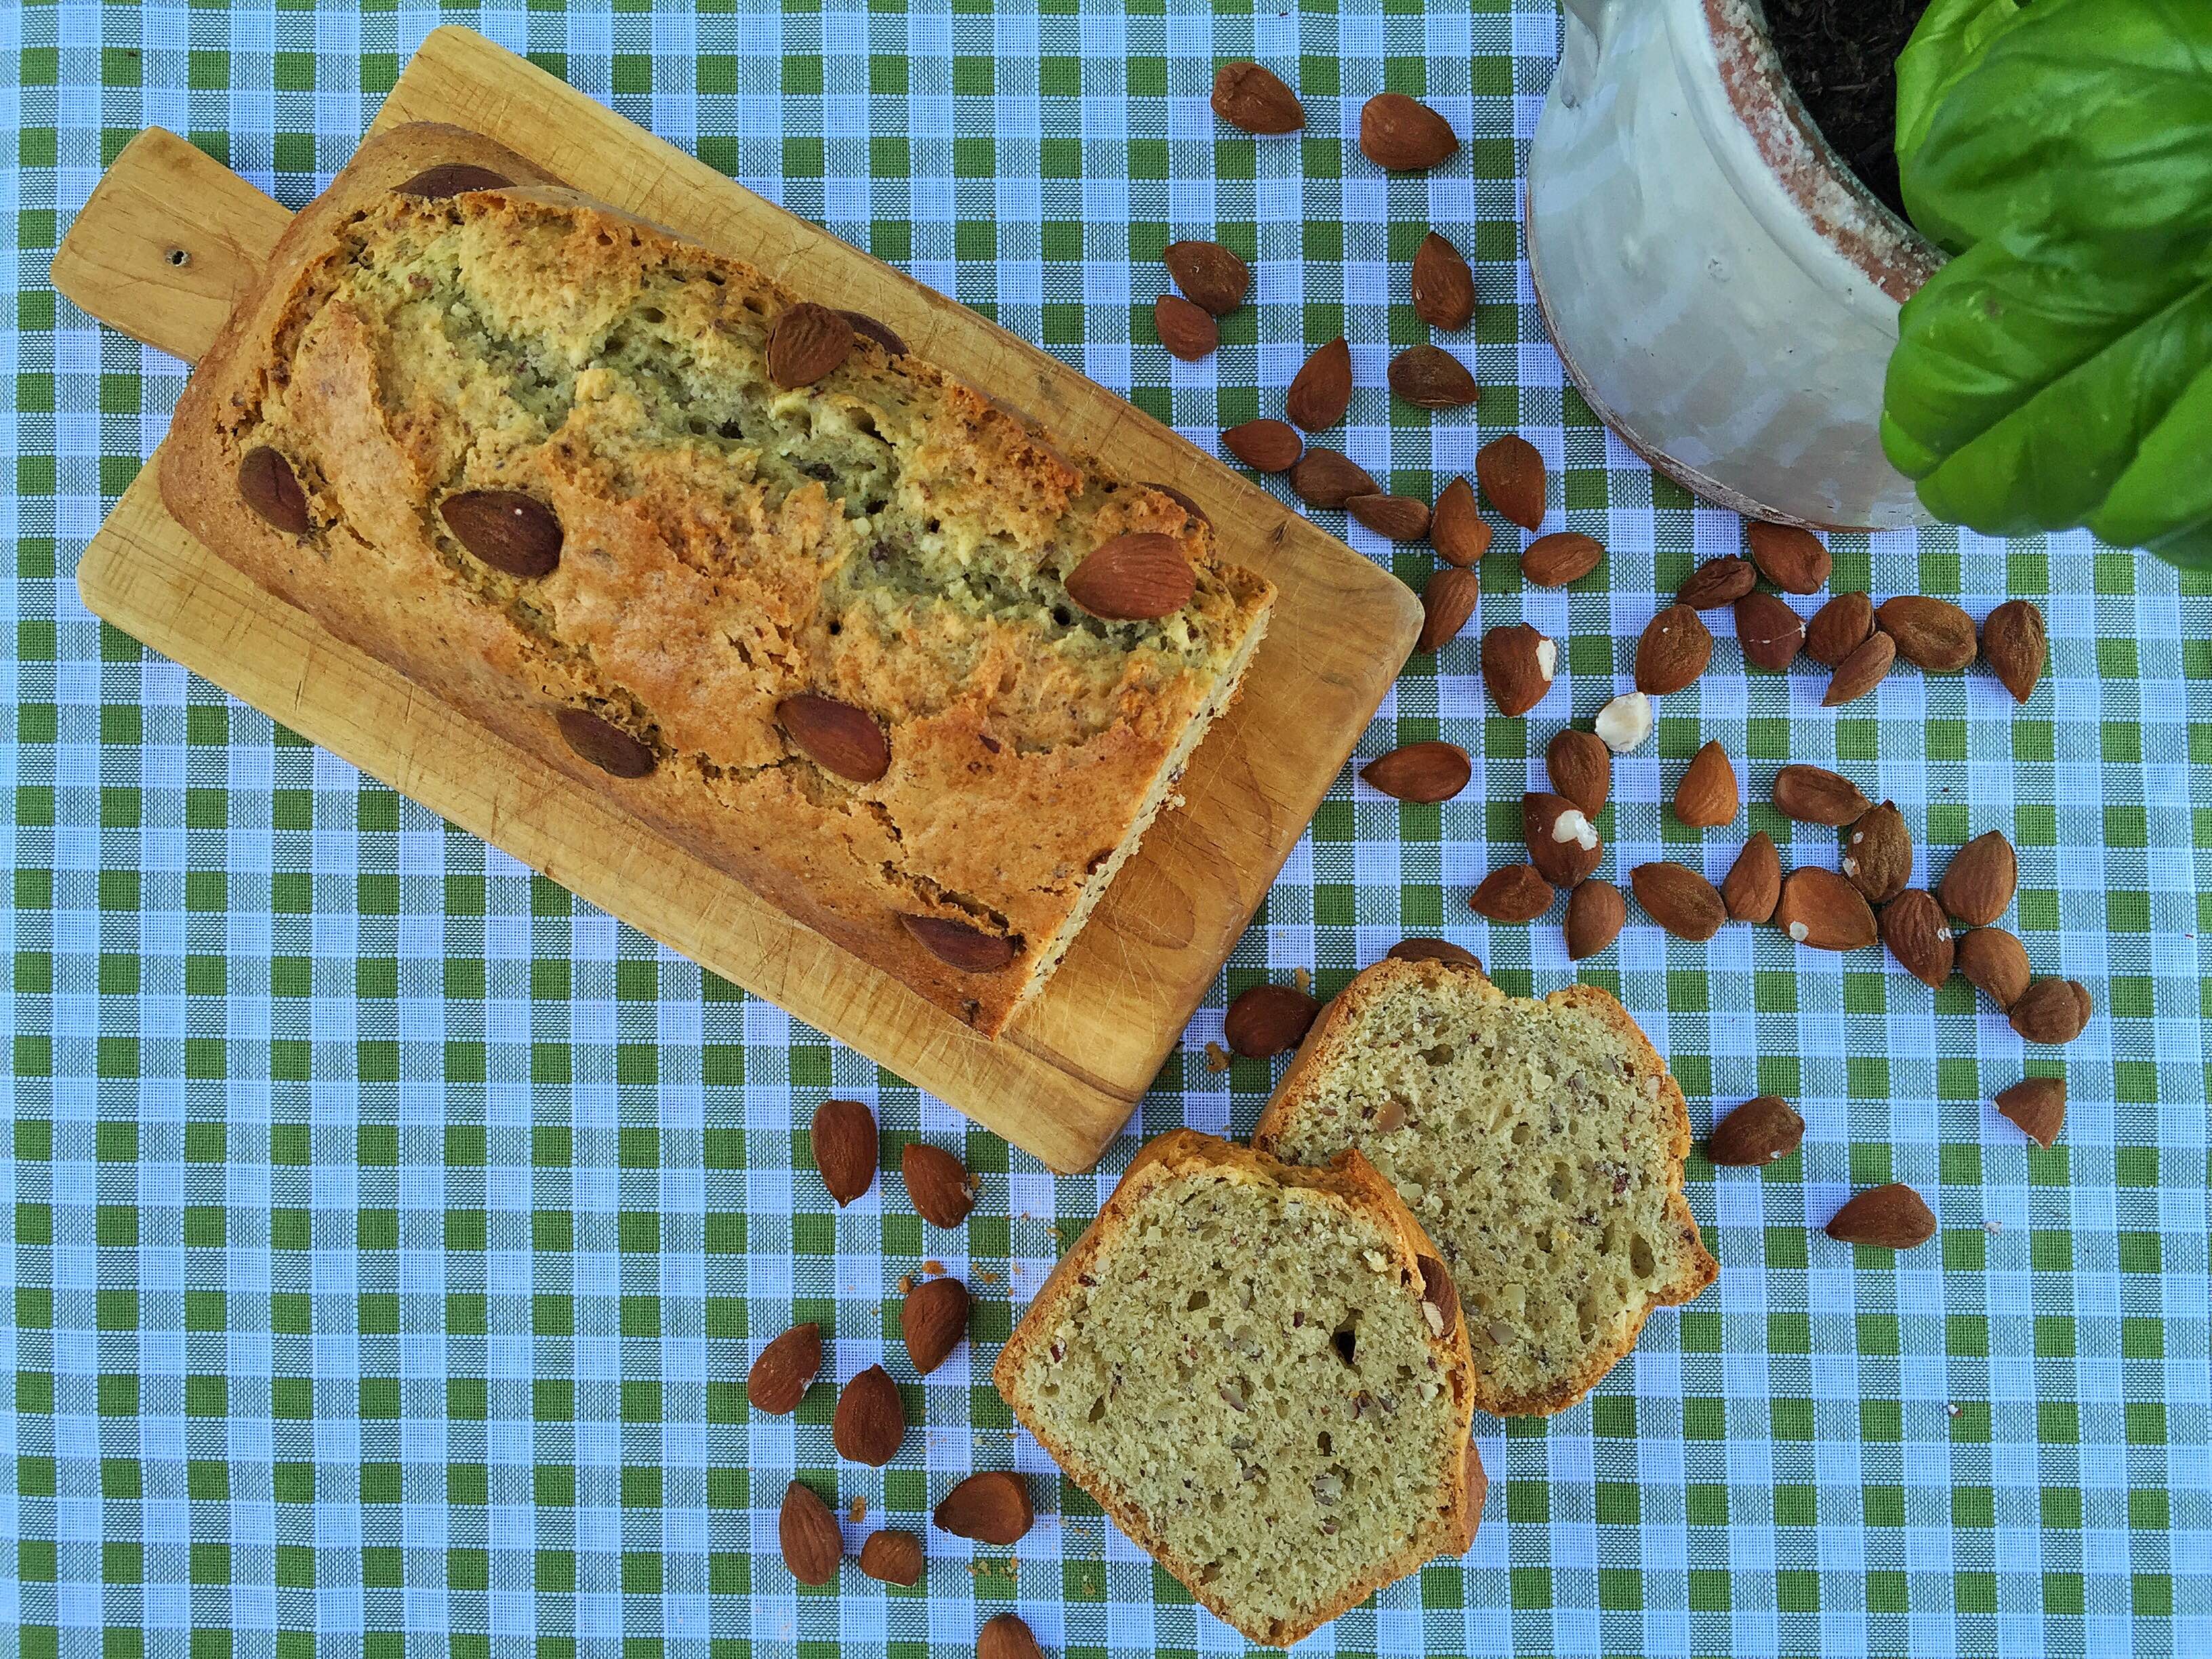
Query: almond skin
1679,900
1511,473
1187,330
1934,636
1447,603
1134,578
1419,772
1580,767
1515,669
1792,559
2052,1011
1511,893
1266,1019
892,1557
1429,377
1768,631
1400,518
1892,1218
1006,1637
1813,794
807,343
1459,533
1820,909
1674,651
835,736
991,1508
1562,843
1212,276
870,1421
1322,389
1839,628
1914,928
1400,134
1443,284
1265,446
1876,854
1994,962
1434,950
1759,1132
937,1184
778,1379
1754,885
2014,644
1981,880
812,1546
1323,477
1705,798
1595,914
1718,582
1859,673
1565,556
844,1139
1253,98
933,1319
2037,1105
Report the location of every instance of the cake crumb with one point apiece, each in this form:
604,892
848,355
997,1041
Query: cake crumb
1302,978
859,1512
906,1283
1217,1057
934,1267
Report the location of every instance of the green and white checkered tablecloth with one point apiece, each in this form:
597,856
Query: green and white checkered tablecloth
392,1234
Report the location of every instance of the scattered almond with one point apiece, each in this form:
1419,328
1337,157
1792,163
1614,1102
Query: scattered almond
1005,1636
1765,1130
812,1546
1981,880
1265,446
1679,900
1443,284
933,1319
1429,771
780,1376
1400,134
1322,389
1434,950
844,1139
1792,559
1813,794
1212,276
1674,651
1839,628
1186,329
1446,603
1517,664
892,1557
2037,1105
1914,928
991,1508
869,1422
1511,473
2014,644
1323,477
1134,578
1400,518
1820,909
1595,913
1877,854
1705,798
1718,582
1265,1020
1459,533
1429,377
1562,843
1859,673
1581,767
1511,893
2052,1011
1754,885
1994,962
1623,723
1555,560
1769,632
937,1184
1934,636
1253,98
1892,1218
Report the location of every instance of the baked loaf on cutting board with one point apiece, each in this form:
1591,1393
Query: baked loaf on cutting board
1540,1142
797,599
1261,1373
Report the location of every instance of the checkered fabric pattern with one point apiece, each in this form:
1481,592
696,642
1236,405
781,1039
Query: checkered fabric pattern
392,1234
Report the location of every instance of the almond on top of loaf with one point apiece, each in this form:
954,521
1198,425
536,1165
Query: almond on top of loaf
1245,1364
1541,1143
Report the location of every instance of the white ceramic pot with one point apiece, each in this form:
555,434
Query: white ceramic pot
1721,289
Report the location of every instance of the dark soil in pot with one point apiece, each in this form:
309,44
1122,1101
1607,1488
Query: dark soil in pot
1841,56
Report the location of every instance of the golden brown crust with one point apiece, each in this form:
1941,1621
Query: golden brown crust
1332,1038
1350,1178
1013,789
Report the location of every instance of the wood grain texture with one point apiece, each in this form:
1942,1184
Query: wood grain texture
1066,1074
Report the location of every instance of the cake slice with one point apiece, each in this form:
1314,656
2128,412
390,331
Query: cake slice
1259,1373
1539,1143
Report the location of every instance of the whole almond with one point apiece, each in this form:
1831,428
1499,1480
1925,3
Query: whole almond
835,736
2052,1011
1459,534
1679,900
1434,950
1442,285
1429,377
844,1139
1994,962
1511,893
1428,771
870,328
1839,628
1266,1019
1914,928
1517,664
2037,1105
1892,1218
1792,559
1182,501
1754,885
1813,794
1511,473
452,179
966,950
1322,389
1718,582
1562,843
1859,673
1211,276
1820,909
1581,767
1401,135
510,532
1876,855
1705,798
271,489
1934,636
1006,1637
812,1546
780,1376
2014,643
1323,477
892,1557
1763,1130
1595,914
1400,518
1138,577
1265,446
1446,603
1674,651
938,1184
1555,560
807,343
1253,98
933,1319
1981,880
1186,329
869,1421
1769,632
991,1508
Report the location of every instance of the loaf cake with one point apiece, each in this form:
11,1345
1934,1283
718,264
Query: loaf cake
1259,1373
1539,1143
791,596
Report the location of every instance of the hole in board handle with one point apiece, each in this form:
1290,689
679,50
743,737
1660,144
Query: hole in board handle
179,258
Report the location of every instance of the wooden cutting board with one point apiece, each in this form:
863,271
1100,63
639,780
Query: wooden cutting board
170,238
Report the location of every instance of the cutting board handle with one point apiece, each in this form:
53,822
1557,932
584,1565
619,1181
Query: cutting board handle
168,242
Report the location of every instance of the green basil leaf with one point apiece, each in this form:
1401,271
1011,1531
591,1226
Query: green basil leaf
2164,499
1948,41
